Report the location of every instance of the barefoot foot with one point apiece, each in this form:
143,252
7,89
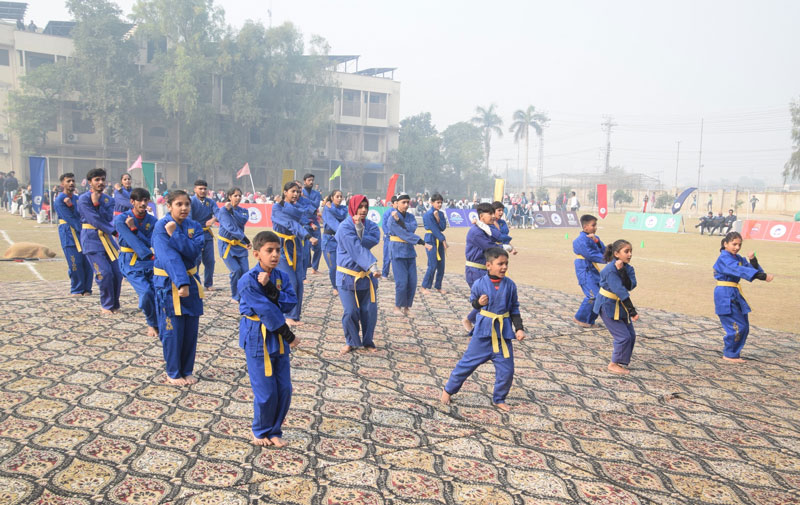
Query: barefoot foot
278,442
344,350
406,310
467,324
234,300
617,369
502,406
370,348
445,398
733,360
335,292
106,312
582,324
152,332
291,322
263,442
398,311
180,381
442,291
424,290
190,379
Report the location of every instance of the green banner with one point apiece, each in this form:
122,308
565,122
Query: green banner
375,214
149,172
667,223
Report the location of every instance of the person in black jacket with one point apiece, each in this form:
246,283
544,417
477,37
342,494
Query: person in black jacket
10,186
705,222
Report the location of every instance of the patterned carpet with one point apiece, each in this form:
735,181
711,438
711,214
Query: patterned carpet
85,415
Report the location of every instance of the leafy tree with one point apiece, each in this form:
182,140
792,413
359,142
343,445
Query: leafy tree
622,196
418,155
664,200
35,107
489,122
791,170
524,120
463,153
542,194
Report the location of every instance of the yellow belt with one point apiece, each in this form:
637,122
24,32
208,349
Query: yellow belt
609,294
230,243
438,258
497,317
176,299
395,238
598,266
209,230
129,250
267,361
74,235
293,260
359,275
729,284
107,245
475,265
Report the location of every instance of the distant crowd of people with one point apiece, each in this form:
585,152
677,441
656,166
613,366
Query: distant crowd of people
718,223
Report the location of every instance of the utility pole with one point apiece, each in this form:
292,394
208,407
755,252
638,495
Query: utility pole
677,163
700,159
607,125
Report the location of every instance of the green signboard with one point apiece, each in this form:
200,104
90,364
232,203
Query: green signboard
668,223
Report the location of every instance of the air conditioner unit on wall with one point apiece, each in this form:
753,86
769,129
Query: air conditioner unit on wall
72,138
4,149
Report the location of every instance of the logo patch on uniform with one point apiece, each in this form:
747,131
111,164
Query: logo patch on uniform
97,272
278,284
190,232
736,336
74,265
147,226
105,199
168,324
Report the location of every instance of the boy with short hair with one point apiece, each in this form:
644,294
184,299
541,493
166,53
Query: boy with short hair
435,223
69,230
402,225
315,197
387,250
204,211
97,212
495,296
589,250
265,295
135,230
482,236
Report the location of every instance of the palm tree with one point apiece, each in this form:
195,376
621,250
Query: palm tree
488,121
524,120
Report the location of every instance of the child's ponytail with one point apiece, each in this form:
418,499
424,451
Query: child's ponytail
608,254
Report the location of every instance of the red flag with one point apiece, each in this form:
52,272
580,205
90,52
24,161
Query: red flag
390,189
602,200
244,171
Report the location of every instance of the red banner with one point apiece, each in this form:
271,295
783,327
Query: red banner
259,214
777,231
602,200
390,189
794,235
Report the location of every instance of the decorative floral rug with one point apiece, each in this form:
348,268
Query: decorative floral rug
86,416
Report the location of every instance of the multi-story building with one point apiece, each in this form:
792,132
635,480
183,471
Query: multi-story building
365,120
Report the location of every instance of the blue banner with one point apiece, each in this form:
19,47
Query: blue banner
676,207
38,165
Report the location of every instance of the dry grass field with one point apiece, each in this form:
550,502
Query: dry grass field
673,270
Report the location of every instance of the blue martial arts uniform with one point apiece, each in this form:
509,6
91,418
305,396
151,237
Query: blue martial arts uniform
69,230
122,200
435,237
332,216
477,244
232,244
136,260
201,211
269,372
588,263
357,287
387,249
404,257
502,226
286,223
729,304
175,266
609,305
100,248
491,337
314,197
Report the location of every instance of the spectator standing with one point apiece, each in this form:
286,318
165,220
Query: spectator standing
10,185
753,202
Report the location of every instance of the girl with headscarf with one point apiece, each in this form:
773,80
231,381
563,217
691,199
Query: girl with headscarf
357,275
333,213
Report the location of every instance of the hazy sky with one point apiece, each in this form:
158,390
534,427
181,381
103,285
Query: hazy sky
656,68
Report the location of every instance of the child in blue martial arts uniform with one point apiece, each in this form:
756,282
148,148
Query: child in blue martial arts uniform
504,232
333,213
287,222
97,211
495,296
435,222
404,258
589,251
613,303
204,211
729,304
357,275
177,241
233,243
314,198
482,236
387,249
69,229
135,229
265,294
122,196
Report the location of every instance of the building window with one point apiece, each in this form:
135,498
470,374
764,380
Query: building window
34,60
372,143
345,140
157,131
4,57
377,105
81,124
351,102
